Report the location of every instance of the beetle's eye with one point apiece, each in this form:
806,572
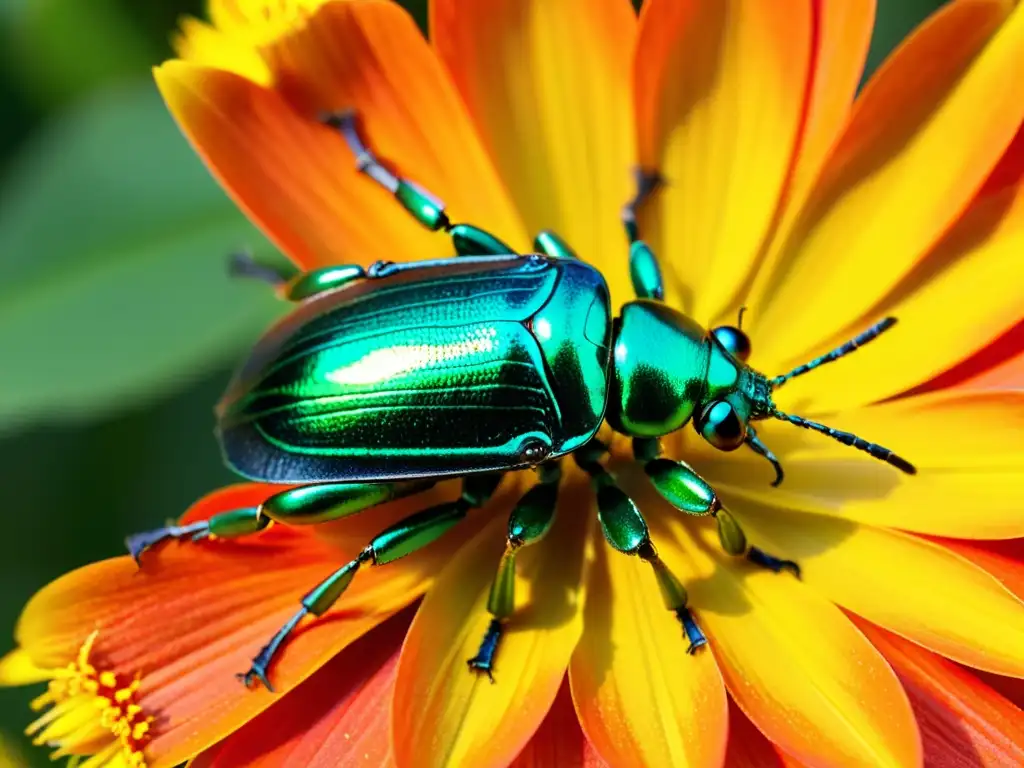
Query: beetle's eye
721,426
734,340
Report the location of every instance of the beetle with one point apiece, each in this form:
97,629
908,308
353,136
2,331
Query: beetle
385,380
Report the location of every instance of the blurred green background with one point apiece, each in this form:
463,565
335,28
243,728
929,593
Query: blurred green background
118,324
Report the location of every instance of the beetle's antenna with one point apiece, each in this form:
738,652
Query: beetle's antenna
848,438
859,340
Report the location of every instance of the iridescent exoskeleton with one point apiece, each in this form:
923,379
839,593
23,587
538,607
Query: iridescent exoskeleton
386,380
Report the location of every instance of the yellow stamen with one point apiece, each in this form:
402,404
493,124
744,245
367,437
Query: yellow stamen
83,703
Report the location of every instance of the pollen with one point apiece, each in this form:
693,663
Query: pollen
89,710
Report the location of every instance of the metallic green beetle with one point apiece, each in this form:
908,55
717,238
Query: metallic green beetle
388,379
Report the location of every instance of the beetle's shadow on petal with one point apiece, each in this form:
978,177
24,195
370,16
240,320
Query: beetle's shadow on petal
562,580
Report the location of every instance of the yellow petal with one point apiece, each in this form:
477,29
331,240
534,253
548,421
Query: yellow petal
943,430
444,713
793,662
961,298
720,91
641,700
920,143
965,445
259,20
1003,559
914,587
548,85
17,668
200,43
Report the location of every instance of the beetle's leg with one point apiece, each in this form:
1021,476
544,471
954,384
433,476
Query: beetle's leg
423,206
226,525
552,244
625,530
688,492
297,287
644,270
763,450
404,537
243,264
304,505
528,523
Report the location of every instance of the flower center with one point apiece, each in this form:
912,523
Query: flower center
86,706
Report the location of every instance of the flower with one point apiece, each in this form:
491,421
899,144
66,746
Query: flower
903,640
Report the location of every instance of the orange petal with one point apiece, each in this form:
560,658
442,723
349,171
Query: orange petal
1003,559
842,36
339,716
548,85
1009,172
235,496
641,700
559,742
962,720
920,143
444,714
792,661
749,748
966,446
1008,374
298,180
979,258
195,614
914,587
1012,688
720,93
997,365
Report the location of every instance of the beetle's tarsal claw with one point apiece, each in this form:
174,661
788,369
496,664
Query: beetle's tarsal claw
255,673
261,663
484,659
693,632
137,543
647,181
772,563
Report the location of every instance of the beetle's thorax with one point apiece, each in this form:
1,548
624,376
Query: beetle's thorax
660,361
666,367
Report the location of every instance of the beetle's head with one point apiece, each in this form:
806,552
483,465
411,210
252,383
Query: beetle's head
734,393
668,370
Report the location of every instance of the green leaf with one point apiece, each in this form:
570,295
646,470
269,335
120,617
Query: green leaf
113,285
894,20
61,48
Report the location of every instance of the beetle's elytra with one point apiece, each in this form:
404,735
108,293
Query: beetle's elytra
434,369
384,380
